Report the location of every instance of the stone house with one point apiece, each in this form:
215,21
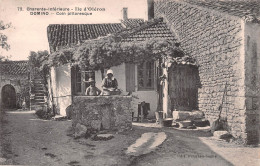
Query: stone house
220,35
14,84
67,82
223,36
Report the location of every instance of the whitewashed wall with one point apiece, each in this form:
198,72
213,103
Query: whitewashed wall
61,84
149,96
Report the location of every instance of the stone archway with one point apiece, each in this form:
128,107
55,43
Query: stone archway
8,96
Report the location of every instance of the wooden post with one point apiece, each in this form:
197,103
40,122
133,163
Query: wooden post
165,94
165,90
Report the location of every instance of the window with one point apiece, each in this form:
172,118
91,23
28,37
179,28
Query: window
145,72
81,78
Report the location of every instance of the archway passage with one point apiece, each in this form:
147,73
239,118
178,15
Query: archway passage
8,96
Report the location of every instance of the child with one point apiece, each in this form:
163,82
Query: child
92,90
24,105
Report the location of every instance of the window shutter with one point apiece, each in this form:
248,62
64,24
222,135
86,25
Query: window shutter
130,77
73,80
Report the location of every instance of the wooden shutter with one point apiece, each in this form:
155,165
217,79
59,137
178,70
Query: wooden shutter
130,77
73,80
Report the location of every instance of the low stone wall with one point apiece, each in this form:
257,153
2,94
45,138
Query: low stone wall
103,112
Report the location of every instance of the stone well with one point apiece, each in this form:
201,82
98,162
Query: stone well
103,112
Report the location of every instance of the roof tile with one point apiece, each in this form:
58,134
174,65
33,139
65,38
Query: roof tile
14,67
153,29
243,9
132,23
64,34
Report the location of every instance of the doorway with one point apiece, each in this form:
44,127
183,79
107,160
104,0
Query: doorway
183,87
8,97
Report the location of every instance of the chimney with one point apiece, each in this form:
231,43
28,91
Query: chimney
124,13
150,4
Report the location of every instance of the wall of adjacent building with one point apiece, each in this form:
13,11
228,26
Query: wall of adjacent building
252,81
216,41
19,82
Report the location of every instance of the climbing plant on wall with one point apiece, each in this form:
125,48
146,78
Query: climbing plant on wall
106,52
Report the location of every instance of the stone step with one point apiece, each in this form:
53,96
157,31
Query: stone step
33,102
39,94
39,100
38,87
39,97
38,84
39,91
38,105
37,78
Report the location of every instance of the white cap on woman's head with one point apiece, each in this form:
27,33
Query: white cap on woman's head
109,71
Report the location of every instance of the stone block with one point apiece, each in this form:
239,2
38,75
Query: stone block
69,111
96,124
239,102
103,112
201,122
103,137
2,160
185,124
180,115
221,134
196,115
249,103
80,131
255,103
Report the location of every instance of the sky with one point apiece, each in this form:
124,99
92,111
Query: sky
29,32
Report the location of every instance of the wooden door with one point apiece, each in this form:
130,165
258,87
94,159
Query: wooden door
183,87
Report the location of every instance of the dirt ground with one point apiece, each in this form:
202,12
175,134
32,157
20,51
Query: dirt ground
27,140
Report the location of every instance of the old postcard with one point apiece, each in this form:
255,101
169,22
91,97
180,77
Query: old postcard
129,82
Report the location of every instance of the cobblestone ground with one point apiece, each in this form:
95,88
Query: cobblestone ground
27,140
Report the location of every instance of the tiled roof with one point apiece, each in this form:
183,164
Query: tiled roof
132,23
66,34
14,67
152,29
248,10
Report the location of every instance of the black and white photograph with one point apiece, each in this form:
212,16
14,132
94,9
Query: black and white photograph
130,82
